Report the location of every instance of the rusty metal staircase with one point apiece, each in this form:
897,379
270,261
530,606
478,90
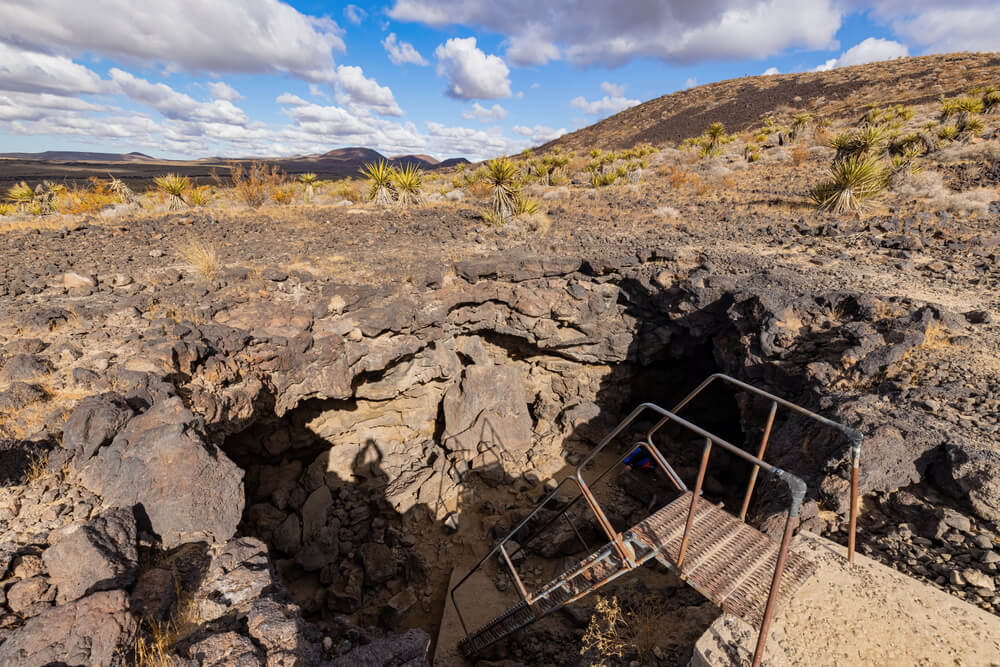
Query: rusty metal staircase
731,563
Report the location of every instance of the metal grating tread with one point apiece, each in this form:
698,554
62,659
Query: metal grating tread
728,561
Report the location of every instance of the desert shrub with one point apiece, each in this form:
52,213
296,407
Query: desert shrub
408,181
255,184
864,141
283,195
6,209
82,200
930,187
799,154
948,133
525,206
618,632
853,180
678,176
347,188
199,196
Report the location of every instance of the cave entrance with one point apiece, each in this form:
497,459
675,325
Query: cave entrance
337,545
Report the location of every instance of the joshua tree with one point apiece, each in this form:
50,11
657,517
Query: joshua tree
379,175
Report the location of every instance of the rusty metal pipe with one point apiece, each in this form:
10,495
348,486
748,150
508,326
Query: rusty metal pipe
772,599
517,578
760,454
852,530
694,502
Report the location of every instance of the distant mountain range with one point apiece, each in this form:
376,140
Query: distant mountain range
139,167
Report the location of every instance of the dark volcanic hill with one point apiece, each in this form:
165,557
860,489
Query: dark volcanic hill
741,103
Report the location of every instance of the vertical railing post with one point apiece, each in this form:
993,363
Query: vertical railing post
517,579
694,502
772,599
852,529
760,455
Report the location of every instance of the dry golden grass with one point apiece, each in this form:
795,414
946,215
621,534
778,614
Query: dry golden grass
37,466
201,257
155,640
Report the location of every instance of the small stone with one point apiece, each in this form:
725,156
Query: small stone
73,280
978,579
156,253
274,275
451,523
990,557
26,592
955,578
983,541
327,644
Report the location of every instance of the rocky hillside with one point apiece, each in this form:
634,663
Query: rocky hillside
739,104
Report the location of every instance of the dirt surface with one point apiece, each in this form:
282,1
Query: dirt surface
865,614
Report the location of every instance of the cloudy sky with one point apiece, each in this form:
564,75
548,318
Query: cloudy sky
189,78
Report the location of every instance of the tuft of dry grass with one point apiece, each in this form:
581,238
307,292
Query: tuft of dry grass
201,257
38,464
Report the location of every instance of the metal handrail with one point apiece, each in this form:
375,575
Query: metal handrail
853,436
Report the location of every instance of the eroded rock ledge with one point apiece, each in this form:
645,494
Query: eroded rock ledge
260,419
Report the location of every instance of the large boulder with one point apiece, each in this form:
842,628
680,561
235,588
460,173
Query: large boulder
190,490
975,469
409,648
89,631
487,410
98,556
95,421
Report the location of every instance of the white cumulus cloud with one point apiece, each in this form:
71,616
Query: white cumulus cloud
401,53
223,91
611,33
354,14
175,105
771,71
539,134
32,72
487,115
870,50
613,101
359,89
218,36
471,74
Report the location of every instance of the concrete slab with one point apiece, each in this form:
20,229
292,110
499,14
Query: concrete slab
480,602
866,614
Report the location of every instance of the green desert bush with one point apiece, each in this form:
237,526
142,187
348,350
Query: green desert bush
853,180
951,106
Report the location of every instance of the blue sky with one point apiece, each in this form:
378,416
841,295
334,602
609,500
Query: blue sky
186,78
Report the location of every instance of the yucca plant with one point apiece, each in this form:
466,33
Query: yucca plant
800,122
6,209
501,175
174,186
525,206
199,196
408,181
21,193
751,152
715,133
948,133
854,180
991,101
955,105
970,126
118,188
379,175
309,181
